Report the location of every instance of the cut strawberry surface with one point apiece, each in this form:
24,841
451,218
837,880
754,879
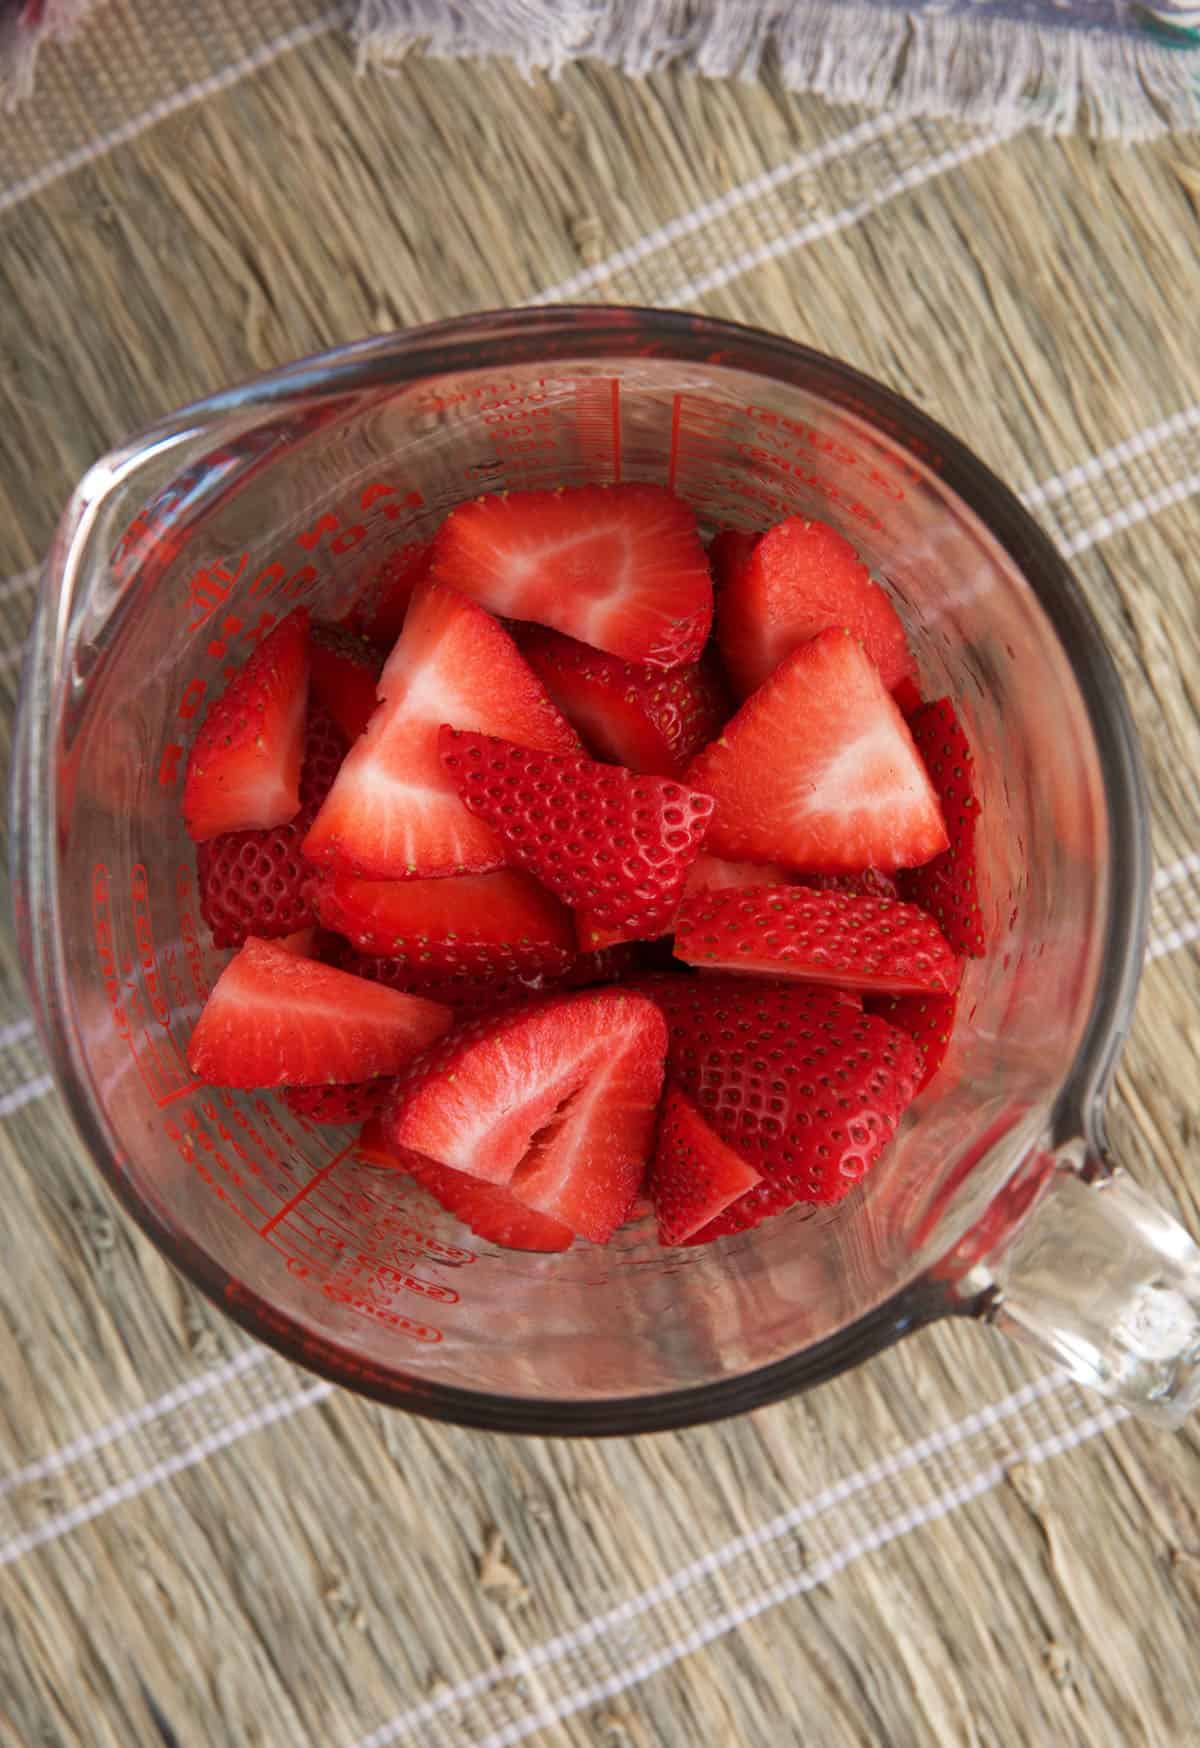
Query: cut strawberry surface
243,772
729,553
715,874
381,608
875,944
337,1105
491,1211
644,718
556,1099
620,567
908,698
818,770
393,813
928,1020
694,1175
948,886
869,884
343,671
302,942
803,578
800,1082
258,883
613,846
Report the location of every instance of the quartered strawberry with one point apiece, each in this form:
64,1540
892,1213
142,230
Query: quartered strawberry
381,608
620,567
800,1082
948,887
302,942
484,925
337,1105
258,883
803,578
869,884
613,846
715,874
343,670
491,1211
644,718
556,1100
928,1020
728,554
818,770
694,1175
243,772
275,1020
393,813
471,992
875,944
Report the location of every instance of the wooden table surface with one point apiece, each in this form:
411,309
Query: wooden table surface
200,1544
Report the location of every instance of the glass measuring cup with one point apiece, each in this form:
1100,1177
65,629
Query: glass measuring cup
180,549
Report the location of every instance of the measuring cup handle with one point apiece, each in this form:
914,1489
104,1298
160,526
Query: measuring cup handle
1094,1275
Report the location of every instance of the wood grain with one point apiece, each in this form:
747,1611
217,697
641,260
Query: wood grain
341,1567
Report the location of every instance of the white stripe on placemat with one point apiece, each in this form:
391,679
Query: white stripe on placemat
1131,514
10,1035
1119,455
182,99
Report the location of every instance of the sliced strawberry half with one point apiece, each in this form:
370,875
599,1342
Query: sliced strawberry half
729,553
875,944
803,578
869,884
258,883
337,1105
694,1175
620,567
243,772
640,717
818,770
715,874
948,887
484,925
556,1100
343,672
799,1081
276,1020
613,846
928,1020
393,813
381,608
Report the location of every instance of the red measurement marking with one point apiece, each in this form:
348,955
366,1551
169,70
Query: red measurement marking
180,1092
312,1184
673,459
615,392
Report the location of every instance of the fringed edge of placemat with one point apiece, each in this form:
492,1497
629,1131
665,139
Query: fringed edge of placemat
1000,72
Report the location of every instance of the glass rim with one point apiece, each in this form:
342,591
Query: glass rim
540,335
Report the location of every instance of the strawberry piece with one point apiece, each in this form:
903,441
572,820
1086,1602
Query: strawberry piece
302,942
620,567
818,770
382,606
490,1211
824,937
800,1082
337,1105
556,1099
470,992
613,846
343,671
948,887
803,578
483,925
928,1020
908,698
258,883
243,772
694,1175
275,1020
869,884
640,717
729,553
714,874
393,813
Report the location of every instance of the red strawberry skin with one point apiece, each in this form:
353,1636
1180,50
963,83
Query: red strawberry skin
818,770
273,1019
802,578
876,944
485,925
243,772
469,992
928,1020
800,1082
613,846
258,883
948,886
380,611
337,1105
343,671
694,1176
869,884
646,719
729,553
556,1100
393,813
619,567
